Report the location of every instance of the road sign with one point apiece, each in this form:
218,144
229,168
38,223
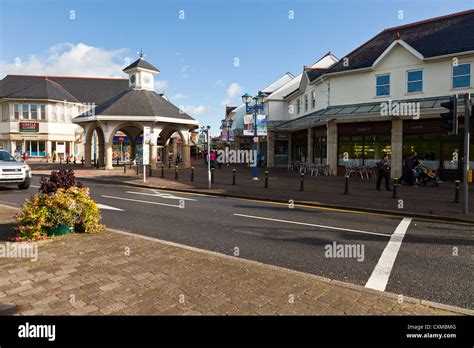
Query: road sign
146,145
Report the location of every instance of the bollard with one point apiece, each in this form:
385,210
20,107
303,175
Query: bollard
97,164
176,173
169,164
233,176
130,163
212,175
162,171
117,161
266,179
346,185
137,168
82,160
395,188
125,168
456,191
149,170
192,173
301,181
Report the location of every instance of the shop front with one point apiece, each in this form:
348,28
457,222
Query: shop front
320,145
299,146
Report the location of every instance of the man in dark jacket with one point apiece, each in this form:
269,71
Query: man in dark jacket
383,173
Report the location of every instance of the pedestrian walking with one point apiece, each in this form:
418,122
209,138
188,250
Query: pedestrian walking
383,173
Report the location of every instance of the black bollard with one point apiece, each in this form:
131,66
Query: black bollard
212,175
176,173
162,171
301,181
346,185
125,168
266,179
233,176
130,163
117,161
395,188
192,173
82,160
149,170
169,164
456,191
137,168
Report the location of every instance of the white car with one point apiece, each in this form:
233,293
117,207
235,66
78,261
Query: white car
13,171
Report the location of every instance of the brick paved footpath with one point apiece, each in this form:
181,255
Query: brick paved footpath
284,185
119,273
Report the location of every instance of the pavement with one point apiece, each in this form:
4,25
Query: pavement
405,256
119,273
427,201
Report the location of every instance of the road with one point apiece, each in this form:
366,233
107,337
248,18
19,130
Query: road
422,259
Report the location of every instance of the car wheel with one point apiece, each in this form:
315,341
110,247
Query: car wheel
25,185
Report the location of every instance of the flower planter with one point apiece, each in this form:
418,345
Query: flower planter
60,230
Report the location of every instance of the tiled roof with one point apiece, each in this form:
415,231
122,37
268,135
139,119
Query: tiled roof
141,63
432,37
71,89
133,102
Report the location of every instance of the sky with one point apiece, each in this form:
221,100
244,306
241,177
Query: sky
209,52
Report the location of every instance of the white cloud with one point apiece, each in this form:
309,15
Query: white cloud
70,59
193,109
232,92
161,84
178,96
219,83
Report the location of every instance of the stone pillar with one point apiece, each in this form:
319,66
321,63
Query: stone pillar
175,150
71,148
12,147
165,156
309,157
153,155
332,147
49,148
102,153
186,155
87,155
108,156
270,149
397,148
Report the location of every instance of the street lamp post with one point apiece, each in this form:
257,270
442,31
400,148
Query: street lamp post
206,130
258,104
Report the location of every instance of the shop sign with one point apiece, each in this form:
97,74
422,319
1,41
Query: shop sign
30,127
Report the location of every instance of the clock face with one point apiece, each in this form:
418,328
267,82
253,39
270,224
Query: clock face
146,79
132,79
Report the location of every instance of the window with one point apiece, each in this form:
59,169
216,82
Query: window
305,102
313,99
25,111
383,85
54,111
415,81
358,150
42,112
34,111
298,107
462,75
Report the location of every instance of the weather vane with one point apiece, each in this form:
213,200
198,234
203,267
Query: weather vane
141,53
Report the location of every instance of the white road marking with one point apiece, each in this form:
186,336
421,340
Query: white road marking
108,207
248,232
136,200
312,225
34,186
162,195
379,278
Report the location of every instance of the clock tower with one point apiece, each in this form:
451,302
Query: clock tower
141,74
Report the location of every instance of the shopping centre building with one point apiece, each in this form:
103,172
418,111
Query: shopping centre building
383,97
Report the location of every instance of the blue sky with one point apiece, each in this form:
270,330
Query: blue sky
196,55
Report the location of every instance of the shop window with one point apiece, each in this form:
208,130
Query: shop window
462,75
415,81
25,111
427,148
364,150
281,152
383,85
320,150
42,112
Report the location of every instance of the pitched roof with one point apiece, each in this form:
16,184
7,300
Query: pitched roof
71,89
314,73
433,37
133,102
141,63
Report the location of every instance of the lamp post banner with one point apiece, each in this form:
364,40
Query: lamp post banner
146,145
262,125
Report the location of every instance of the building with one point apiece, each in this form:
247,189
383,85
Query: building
383,97
36,111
